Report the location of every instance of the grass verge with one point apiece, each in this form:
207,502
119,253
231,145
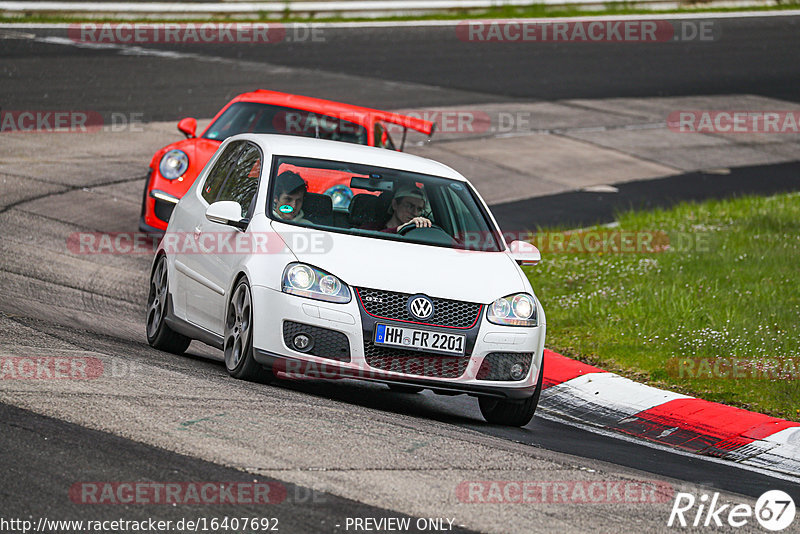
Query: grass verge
715,314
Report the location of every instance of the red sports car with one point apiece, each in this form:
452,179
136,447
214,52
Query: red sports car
176,166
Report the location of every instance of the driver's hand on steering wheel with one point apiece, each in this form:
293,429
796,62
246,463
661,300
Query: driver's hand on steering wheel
419,222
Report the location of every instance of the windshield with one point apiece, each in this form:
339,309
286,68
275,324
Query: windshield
379,203
252,117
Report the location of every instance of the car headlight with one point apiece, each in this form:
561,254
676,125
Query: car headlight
513,310
306,281
173,164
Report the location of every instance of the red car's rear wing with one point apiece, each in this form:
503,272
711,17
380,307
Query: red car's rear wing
406,121
364,116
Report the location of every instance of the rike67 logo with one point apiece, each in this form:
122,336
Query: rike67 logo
774,511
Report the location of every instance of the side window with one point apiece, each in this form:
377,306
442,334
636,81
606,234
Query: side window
242,182
216,176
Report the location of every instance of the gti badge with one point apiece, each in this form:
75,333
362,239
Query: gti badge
420,307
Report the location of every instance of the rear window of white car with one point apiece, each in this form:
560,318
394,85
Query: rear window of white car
362,200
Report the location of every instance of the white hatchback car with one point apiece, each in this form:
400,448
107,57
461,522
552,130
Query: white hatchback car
264,260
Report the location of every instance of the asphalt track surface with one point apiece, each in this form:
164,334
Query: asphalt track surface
746,56
43,455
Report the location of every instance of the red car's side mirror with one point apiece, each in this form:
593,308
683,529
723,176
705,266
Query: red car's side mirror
188,126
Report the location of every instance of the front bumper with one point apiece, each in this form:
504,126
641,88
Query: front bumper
147,229
160,198
272,308
157,213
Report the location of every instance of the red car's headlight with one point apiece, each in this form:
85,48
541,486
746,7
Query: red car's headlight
173,164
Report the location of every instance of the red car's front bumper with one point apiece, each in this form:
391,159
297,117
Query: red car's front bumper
159,199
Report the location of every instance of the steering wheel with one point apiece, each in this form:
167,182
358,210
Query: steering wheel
403,230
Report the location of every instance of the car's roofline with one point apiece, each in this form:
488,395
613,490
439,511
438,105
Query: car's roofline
361,115
307,147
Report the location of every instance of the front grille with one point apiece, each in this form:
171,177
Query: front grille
327,343
392,305
497,365
163,209
412,362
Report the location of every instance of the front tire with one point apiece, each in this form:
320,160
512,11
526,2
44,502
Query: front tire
512,413
238,337
159,335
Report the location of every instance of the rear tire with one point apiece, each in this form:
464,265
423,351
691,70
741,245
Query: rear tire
159,335
238,337
512,413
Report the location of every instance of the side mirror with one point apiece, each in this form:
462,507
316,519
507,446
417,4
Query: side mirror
227,212
524,253
188,126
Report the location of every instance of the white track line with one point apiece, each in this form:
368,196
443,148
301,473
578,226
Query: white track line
453,23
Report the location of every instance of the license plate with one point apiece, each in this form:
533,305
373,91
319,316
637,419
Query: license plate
411,338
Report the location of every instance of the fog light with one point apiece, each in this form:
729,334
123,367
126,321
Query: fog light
302,342
517,371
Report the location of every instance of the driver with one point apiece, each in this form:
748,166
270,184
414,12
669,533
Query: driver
407,205
290,190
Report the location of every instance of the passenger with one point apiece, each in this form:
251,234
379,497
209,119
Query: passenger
407,204
290,190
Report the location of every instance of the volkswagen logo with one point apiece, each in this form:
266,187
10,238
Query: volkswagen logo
420,307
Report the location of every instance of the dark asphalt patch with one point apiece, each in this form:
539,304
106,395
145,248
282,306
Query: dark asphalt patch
578,209
43,458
